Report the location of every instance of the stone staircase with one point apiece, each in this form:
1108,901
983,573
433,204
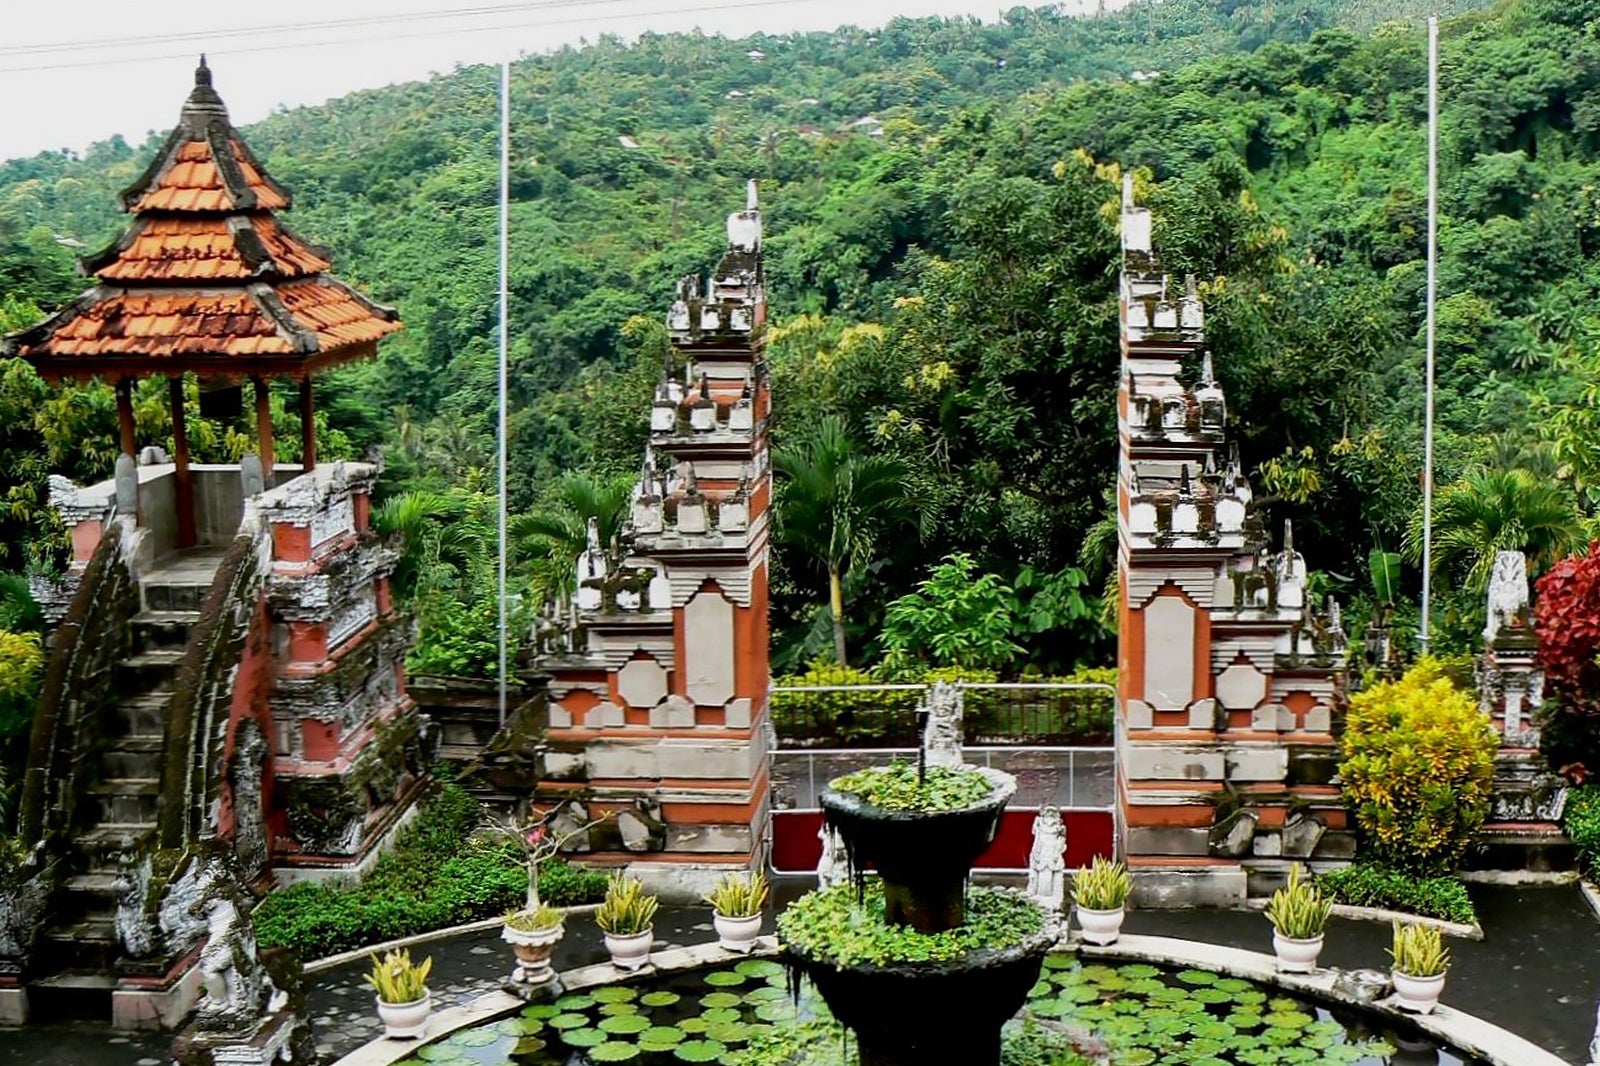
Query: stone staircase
80,946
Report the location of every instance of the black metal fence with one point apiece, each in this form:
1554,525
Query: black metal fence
885,716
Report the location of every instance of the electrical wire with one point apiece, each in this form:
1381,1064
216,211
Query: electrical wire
379,38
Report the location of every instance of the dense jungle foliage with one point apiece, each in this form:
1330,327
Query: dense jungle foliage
940,203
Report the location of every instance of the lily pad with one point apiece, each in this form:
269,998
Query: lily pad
728,1033
609,1009
615,994
718,1015
721,999
575,1001
724,978
662,1034
759,968
613,1051
482,1036
625,1023
541,1011
569,1021
583,1037
700,1051
662,998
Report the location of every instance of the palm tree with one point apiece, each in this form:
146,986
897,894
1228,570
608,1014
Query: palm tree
834,501
558,532
1495,510
431,528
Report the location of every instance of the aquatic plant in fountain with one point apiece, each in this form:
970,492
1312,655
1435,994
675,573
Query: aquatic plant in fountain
921,968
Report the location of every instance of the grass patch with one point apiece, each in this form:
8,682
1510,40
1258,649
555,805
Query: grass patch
437,875
1367,884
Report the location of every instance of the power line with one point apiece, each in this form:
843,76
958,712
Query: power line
379,38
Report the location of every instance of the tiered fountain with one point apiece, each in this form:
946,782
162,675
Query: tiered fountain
933,977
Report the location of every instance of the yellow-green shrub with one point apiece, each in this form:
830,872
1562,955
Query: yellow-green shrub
1418,769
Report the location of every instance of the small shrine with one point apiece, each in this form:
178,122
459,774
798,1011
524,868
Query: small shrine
225,700
1227,672
658,663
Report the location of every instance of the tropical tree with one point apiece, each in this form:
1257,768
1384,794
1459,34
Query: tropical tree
549,539
430,529
1490,511
834,502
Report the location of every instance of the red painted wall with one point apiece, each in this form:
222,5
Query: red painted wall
796,849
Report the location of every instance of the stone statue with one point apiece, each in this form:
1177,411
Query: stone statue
941,737
1594,1044
236,991
1508,594
1047,864
833,868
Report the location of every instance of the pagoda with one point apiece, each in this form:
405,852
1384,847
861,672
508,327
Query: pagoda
1227,675
658,663
224,703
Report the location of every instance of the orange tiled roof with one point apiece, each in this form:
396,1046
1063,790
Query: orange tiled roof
191,180
205,278
206,248
300,319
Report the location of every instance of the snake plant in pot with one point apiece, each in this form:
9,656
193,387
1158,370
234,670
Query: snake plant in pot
1101,892
736,903
1420,963
627,918
402,987
1299,915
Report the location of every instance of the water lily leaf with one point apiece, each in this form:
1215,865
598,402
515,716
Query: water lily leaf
569,1021
721,999
583,1037
661,1034
724,978
615,994
613,1051
625,1023
699,1051
575,1001
662,998
760,968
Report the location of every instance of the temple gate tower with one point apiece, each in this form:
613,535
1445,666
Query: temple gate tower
225,697
659,667
1226,674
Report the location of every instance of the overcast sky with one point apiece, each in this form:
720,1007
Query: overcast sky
77,71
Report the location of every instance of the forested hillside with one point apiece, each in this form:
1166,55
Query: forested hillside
940,200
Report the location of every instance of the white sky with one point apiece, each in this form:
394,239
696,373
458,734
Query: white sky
77,71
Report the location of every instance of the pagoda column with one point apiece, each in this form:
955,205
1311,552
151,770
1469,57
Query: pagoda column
180,457
308,426
129,442
264,427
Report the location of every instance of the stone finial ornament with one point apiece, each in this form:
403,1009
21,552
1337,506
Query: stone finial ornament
1047,864
1508,594
941,737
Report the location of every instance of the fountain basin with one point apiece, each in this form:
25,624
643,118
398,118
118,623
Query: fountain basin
923,857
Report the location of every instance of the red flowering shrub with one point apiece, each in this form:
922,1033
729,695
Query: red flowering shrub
1566,618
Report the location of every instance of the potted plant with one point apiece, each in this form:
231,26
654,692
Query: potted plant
1420,962
534,931
1298,914
1101,892
402,987
736,903
626,917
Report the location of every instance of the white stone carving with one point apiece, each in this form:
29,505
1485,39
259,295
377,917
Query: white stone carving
833,868
941,737
1508,594
1047,864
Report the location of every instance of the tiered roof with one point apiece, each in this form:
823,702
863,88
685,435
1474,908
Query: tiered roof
206,278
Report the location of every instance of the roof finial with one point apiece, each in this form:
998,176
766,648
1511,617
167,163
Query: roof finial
202,73
752,199
1208,376
1127,191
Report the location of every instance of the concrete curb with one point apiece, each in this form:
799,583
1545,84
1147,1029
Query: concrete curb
1591,895
332,962
491,1005
1379,914
1464,1032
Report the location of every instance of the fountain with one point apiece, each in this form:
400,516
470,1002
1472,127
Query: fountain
923,968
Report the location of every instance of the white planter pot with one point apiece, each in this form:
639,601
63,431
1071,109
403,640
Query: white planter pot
1100,927
533,950
405,1021
737,934
1417,994
1296,955
630,952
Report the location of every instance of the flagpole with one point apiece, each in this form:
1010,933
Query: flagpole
505,259
1433,269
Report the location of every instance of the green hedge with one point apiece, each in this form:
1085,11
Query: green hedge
1368,884
1582,819
437,875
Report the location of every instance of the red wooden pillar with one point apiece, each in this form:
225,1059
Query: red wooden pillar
129,443
264,427
180,456
308,426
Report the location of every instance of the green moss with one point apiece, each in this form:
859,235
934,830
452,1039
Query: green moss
896,787
832,926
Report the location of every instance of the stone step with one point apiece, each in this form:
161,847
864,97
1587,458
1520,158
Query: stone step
92,884
164,629
127,799
92,929
105,843
86,945
152,668
135,755
145,714
171,595
77,981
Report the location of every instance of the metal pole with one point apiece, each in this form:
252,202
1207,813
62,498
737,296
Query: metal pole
505,260
1433,270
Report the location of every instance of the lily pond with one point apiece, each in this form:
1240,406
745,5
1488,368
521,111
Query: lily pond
1126,1015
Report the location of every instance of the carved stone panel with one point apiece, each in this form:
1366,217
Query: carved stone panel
708,648
1168,653
642,683
1241,686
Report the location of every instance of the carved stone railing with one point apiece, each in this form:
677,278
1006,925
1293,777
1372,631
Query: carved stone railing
79,689
197,723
